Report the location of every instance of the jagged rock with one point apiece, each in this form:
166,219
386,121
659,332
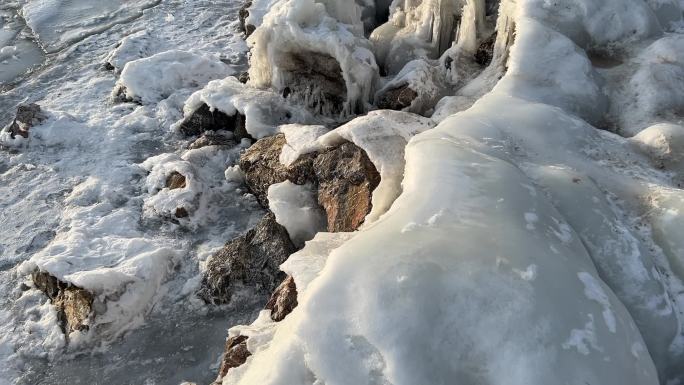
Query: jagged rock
344,175
175,180
262,167
252,259
235,354
243,14
485,52
316,79
283,300
397,98
27,116
181,212
74,304
243,77
204,119
208,139
346,180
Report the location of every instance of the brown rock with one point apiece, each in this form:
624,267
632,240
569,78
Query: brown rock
262,167
301,69
346,180
74,304
283,300
397,98
181,212
252,260
175,180
26,117
235,354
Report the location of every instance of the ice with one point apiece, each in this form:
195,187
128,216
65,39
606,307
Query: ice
296,208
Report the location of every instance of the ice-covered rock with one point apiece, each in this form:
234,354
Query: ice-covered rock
74,305
152,79
26,117
283,300
310,51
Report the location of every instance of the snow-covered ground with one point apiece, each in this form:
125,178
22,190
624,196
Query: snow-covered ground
78,201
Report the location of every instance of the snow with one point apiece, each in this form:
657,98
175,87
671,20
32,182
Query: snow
296,208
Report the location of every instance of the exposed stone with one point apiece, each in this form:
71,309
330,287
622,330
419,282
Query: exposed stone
314,78
346,180
243,14
283,300
262,167
397,98
243,77
485,52
252,259
26,117
175,180
74,304
209,139
181,212
204,119
234,355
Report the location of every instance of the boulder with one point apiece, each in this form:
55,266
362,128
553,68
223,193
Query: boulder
262,167
283,300
74,305
205,119
397,98
26,117
314,79
346,179
175,180
251,260
235,354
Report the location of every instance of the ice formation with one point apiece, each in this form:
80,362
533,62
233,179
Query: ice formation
511,252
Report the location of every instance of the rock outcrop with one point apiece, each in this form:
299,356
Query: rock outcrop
251,260
344,178
397,98
262,167
175,180
74,305
205,119
26,117
235,354
283,300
